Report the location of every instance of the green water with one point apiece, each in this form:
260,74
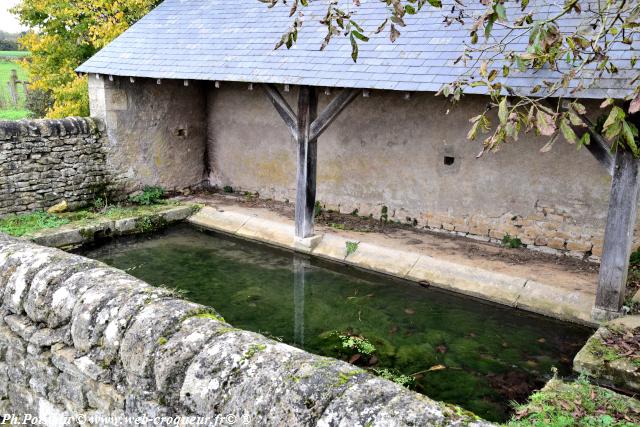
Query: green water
478,355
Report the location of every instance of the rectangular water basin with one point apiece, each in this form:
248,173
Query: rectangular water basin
452,348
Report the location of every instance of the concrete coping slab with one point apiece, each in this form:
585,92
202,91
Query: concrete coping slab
74,235
572,305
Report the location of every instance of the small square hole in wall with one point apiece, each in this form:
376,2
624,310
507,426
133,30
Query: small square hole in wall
449,160
180,132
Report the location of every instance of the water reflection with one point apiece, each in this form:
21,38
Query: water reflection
300,265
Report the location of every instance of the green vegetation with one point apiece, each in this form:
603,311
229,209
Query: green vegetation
9,111
352,247
384,214
25,224
253,350
62,35
579,403
511,242
634,259
227,189
162,341
19,225
209,315
149,196
317,209
602,351
356,343
395,376
13,54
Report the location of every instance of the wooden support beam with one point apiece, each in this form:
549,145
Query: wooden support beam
618,236
283,108
307,161
306,127
332,111
598,147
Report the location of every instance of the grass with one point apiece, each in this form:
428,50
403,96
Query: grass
8,111
19,225
578,403
26,224
13,54
14,114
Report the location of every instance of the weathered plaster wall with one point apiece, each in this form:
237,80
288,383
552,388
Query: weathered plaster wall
43,162
79,339
388,151
156,131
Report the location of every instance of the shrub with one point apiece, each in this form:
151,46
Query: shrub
149,196
38,102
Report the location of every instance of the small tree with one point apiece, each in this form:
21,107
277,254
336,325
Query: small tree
64,34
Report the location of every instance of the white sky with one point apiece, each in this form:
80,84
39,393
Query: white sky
8,22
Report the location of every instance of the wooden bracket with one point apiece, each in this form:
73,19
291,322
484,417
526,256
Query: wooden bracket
283,108
598,147
333,110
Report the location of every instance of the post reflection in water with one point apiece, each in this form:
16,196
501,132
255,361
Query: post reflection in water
300,265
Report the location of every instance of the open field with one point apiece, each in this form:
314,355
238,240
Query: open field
13,54
8,111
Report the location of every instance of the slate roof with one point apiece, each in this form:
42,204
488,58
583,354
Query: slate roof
233,40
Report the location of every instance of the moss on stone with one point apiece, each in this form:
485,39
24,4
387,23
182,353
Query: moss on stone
205,313
253,350
602,351
577,403
344,377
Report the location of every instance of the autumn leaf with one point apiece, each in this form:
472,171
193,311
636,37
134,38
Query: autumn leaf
503,111
634,107
545,123
394,33
567,131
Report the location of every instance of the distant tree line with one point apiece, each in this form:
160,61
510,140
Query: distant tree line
9,41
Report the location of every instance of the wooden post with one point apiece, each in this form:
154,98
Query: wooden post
306,127
307,161
618,236
13,87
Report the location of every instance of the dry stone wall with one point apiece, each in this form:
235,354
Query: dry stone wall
43,162
82,343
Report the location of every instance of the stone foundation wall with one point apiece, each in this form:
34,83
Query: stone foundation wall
80,341
43,162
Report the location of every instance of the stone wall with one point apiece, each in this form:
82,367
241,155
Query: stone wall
411,160
79,340
156,129
43,162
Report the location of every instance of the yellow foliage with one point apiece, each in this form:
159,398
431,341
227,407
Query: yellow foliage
64,34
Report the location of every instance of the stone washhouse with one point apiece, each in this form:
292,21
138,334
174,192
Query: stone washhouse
195,94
